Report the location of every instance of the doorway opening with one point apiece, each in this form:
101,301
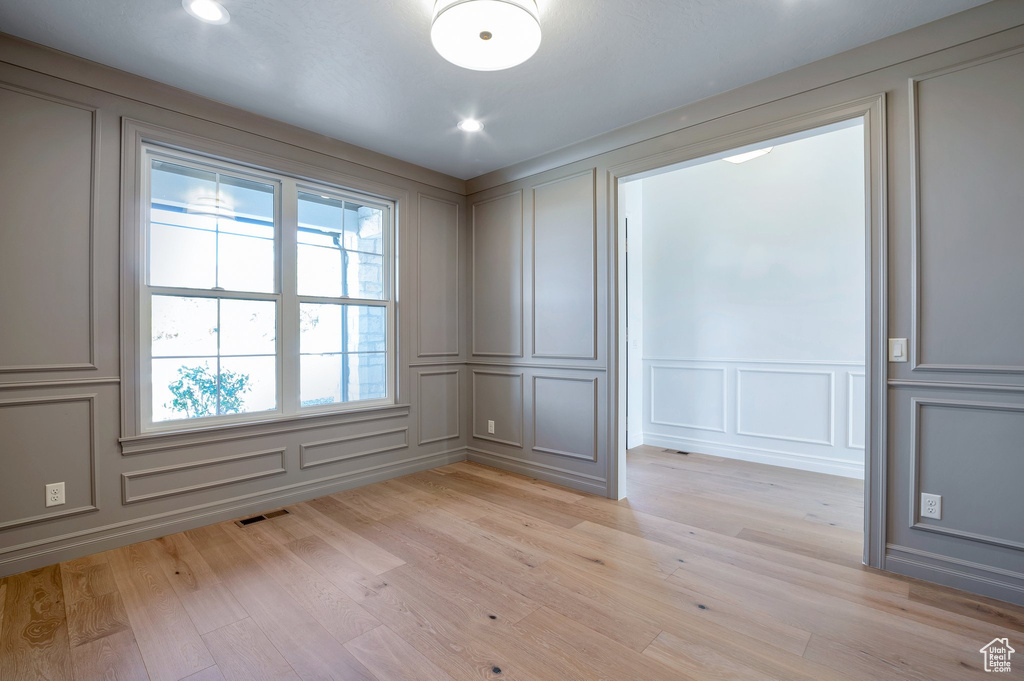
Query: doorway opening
747,308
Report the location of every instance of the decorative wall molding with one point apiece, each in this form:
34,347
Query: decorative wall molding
829,441
916,343
787,362
458,406
458,279
592,173
589,456
126,478
59,383
521,410
93,504
916,405
1005,585
725,397
850,376
93,220
305,463
474,349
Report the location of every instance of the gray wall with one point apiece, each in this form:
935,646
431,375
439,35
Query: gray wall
954,419
60,325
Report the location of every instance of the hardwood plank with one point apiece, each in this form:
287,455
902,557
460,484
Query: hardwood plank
244,653
311,651
115,657
208,674
970,606
362,551
208,603
169,642
34,641
92,602
390,658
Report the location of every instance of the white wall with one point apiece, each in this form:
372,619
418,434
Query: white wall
631,198
753,306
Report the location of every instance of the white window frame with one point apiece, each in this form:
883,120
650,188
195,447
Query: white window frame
286,191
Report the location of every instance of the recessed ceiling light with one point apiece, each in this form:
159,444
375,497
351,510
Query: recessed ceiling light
485,35
470,125
210,11
743,158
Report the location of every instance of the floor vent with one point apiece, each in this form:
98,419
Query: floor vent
259,518
675,451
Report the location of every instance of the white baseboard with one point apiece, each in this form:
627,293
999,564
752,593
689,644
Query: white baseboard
635,440
123,534
757,455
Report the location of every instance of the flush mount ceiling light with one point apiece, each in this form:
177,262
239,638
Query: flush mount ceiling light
743,158
470,125
485,35
210,11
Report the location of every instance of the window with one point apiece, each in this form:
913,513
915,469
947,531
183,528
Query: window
261,295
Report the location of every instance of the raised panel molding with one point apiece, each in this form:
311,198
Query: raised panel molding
917,362
395,439
448,262
92,326
572,420
170,471
456,408
829,440
506,308
517,408
564,250
718,428
93,504
851,426
917,405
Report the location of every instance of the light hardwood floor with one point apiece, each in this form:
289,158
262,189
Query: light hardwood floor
713,569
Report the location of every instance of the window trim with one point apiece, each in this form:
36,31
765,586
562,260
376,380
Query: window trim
289,175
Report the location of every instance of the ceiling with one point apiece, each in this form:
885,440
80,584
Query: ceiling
364,71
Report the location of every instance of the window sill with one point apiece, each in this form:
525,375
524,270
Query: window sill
189,437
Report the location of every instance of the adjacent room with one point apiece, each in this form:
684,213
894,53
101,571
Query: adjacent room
447,340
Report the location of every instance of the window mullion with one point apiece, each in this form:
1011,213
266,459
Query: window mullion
289,329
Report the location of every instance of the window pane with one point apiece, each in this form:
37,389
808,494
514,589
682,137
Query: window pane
182,257
320,379
319,328
367,376
364,276
245,263
184,327
248,327
184,389
366,328
319,271
250,204
178,186
364,228
248,384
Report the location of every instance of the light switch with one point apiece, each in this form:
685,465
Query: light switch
897,349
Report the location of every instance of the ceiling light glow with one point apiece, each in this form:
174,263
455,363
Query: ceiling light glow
486,35
743,158
470,125
210,11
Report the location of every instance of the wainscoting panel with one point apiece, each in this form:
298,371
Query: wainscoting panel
336,450
959,451
49,146
786,404
498,276
565,416
498,397
437,266
438,393
565,268
775,412
169,481
968,281
37,453
688,397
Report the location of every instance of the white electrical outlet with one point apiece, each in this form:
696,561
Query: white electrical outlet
55,494
490,427
931,506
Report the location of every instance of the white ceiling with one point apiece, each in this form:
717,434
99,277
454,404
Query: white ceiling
364,71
